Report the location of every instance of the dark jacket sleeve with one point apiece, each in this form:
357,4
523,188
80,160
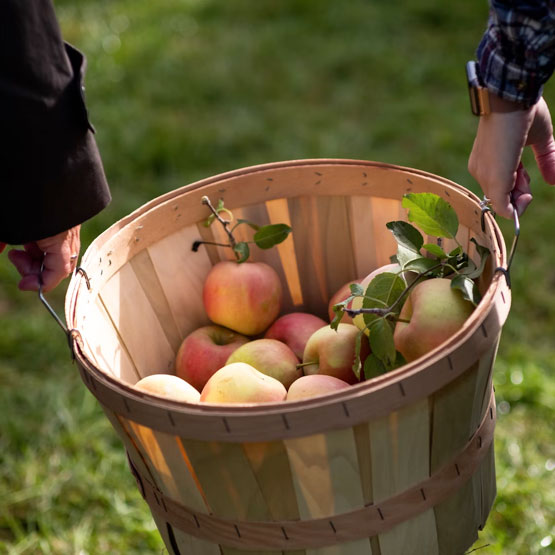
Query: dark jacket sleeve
51,175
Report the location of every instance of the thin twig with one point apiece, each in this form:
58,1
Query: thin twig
225,223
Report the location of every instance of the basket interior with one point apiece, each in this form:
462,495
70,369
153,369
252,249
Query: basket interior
146,293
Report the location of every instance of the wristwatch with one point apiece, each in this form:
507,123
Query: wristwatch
483,102
479,96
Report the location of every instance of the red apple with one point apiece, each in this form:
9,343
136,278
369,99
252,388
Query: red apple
204,351
333,352
314,385
168,386
243,297
271,357
294,329
241,383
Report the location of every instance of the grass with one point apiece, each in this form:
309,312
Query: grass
183,89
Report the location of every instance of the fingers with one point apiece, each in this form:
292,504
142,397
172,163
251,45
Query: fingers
521,194
47,261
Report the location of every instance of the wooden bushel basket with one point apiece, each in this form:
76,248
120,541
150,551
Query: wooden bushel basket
401,464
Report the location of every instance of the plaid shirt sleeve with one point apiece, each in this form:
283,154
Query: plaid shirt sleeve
517,52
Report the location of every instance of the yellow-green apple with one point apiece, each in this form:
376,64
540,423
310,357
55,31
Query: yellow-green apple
339,296
356,303
271,357
243,297
204,351
168,386
333,352
294,329
435,312
314,385
241,383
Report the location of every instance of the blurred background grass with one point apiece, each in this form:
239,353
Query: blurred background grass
183,89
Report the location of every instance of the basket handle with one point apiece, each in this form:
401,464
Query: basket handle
71,334
485,206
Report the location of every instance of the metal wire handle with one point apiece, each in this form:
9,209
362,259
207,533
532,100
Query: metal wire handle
70,334
485,205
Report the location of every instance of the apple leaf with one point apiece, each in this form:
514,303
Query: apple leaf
433,215
436,250
373,367
381,341
467,287
219,208
338,312
242,250
356,289
356,363
484,253
269,235
240,221
382,292
409,241
422,265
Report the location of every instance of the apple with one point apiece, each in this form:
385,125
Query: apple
339,296
314,385
241,383
356,303
294,329
271,357
204,351
333,352
244,297
435,312
168,386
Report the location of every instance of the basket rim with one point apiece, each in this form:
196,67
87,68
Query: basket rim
497,287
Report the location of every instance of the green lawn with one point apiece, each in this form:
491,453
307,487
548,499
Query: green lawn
184,89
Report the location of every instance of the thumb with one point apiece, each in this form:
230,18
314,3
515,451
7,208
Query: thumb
545,158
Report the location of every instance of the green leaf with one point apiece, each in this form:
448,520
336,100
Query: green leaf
409,241
433,215
457,251
382,292
484,253
219,208
240,221
338,313
373,367
381,341
356,363
436,250
269,235
423,265
242,250
467,287
356,289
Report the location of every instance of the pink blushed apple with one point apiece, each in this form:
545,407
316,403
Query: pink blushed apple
332,352
243,297
313,386
204,351
271,357
168,386
294,329
241,383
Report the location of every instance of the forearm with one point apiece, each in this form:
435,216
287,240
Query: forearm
51,176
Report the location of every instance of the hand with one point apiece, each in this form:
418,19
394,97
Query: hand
56,255
495,160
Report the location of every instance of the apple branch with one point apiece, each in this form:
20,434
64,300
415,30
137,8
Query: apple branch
225,224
